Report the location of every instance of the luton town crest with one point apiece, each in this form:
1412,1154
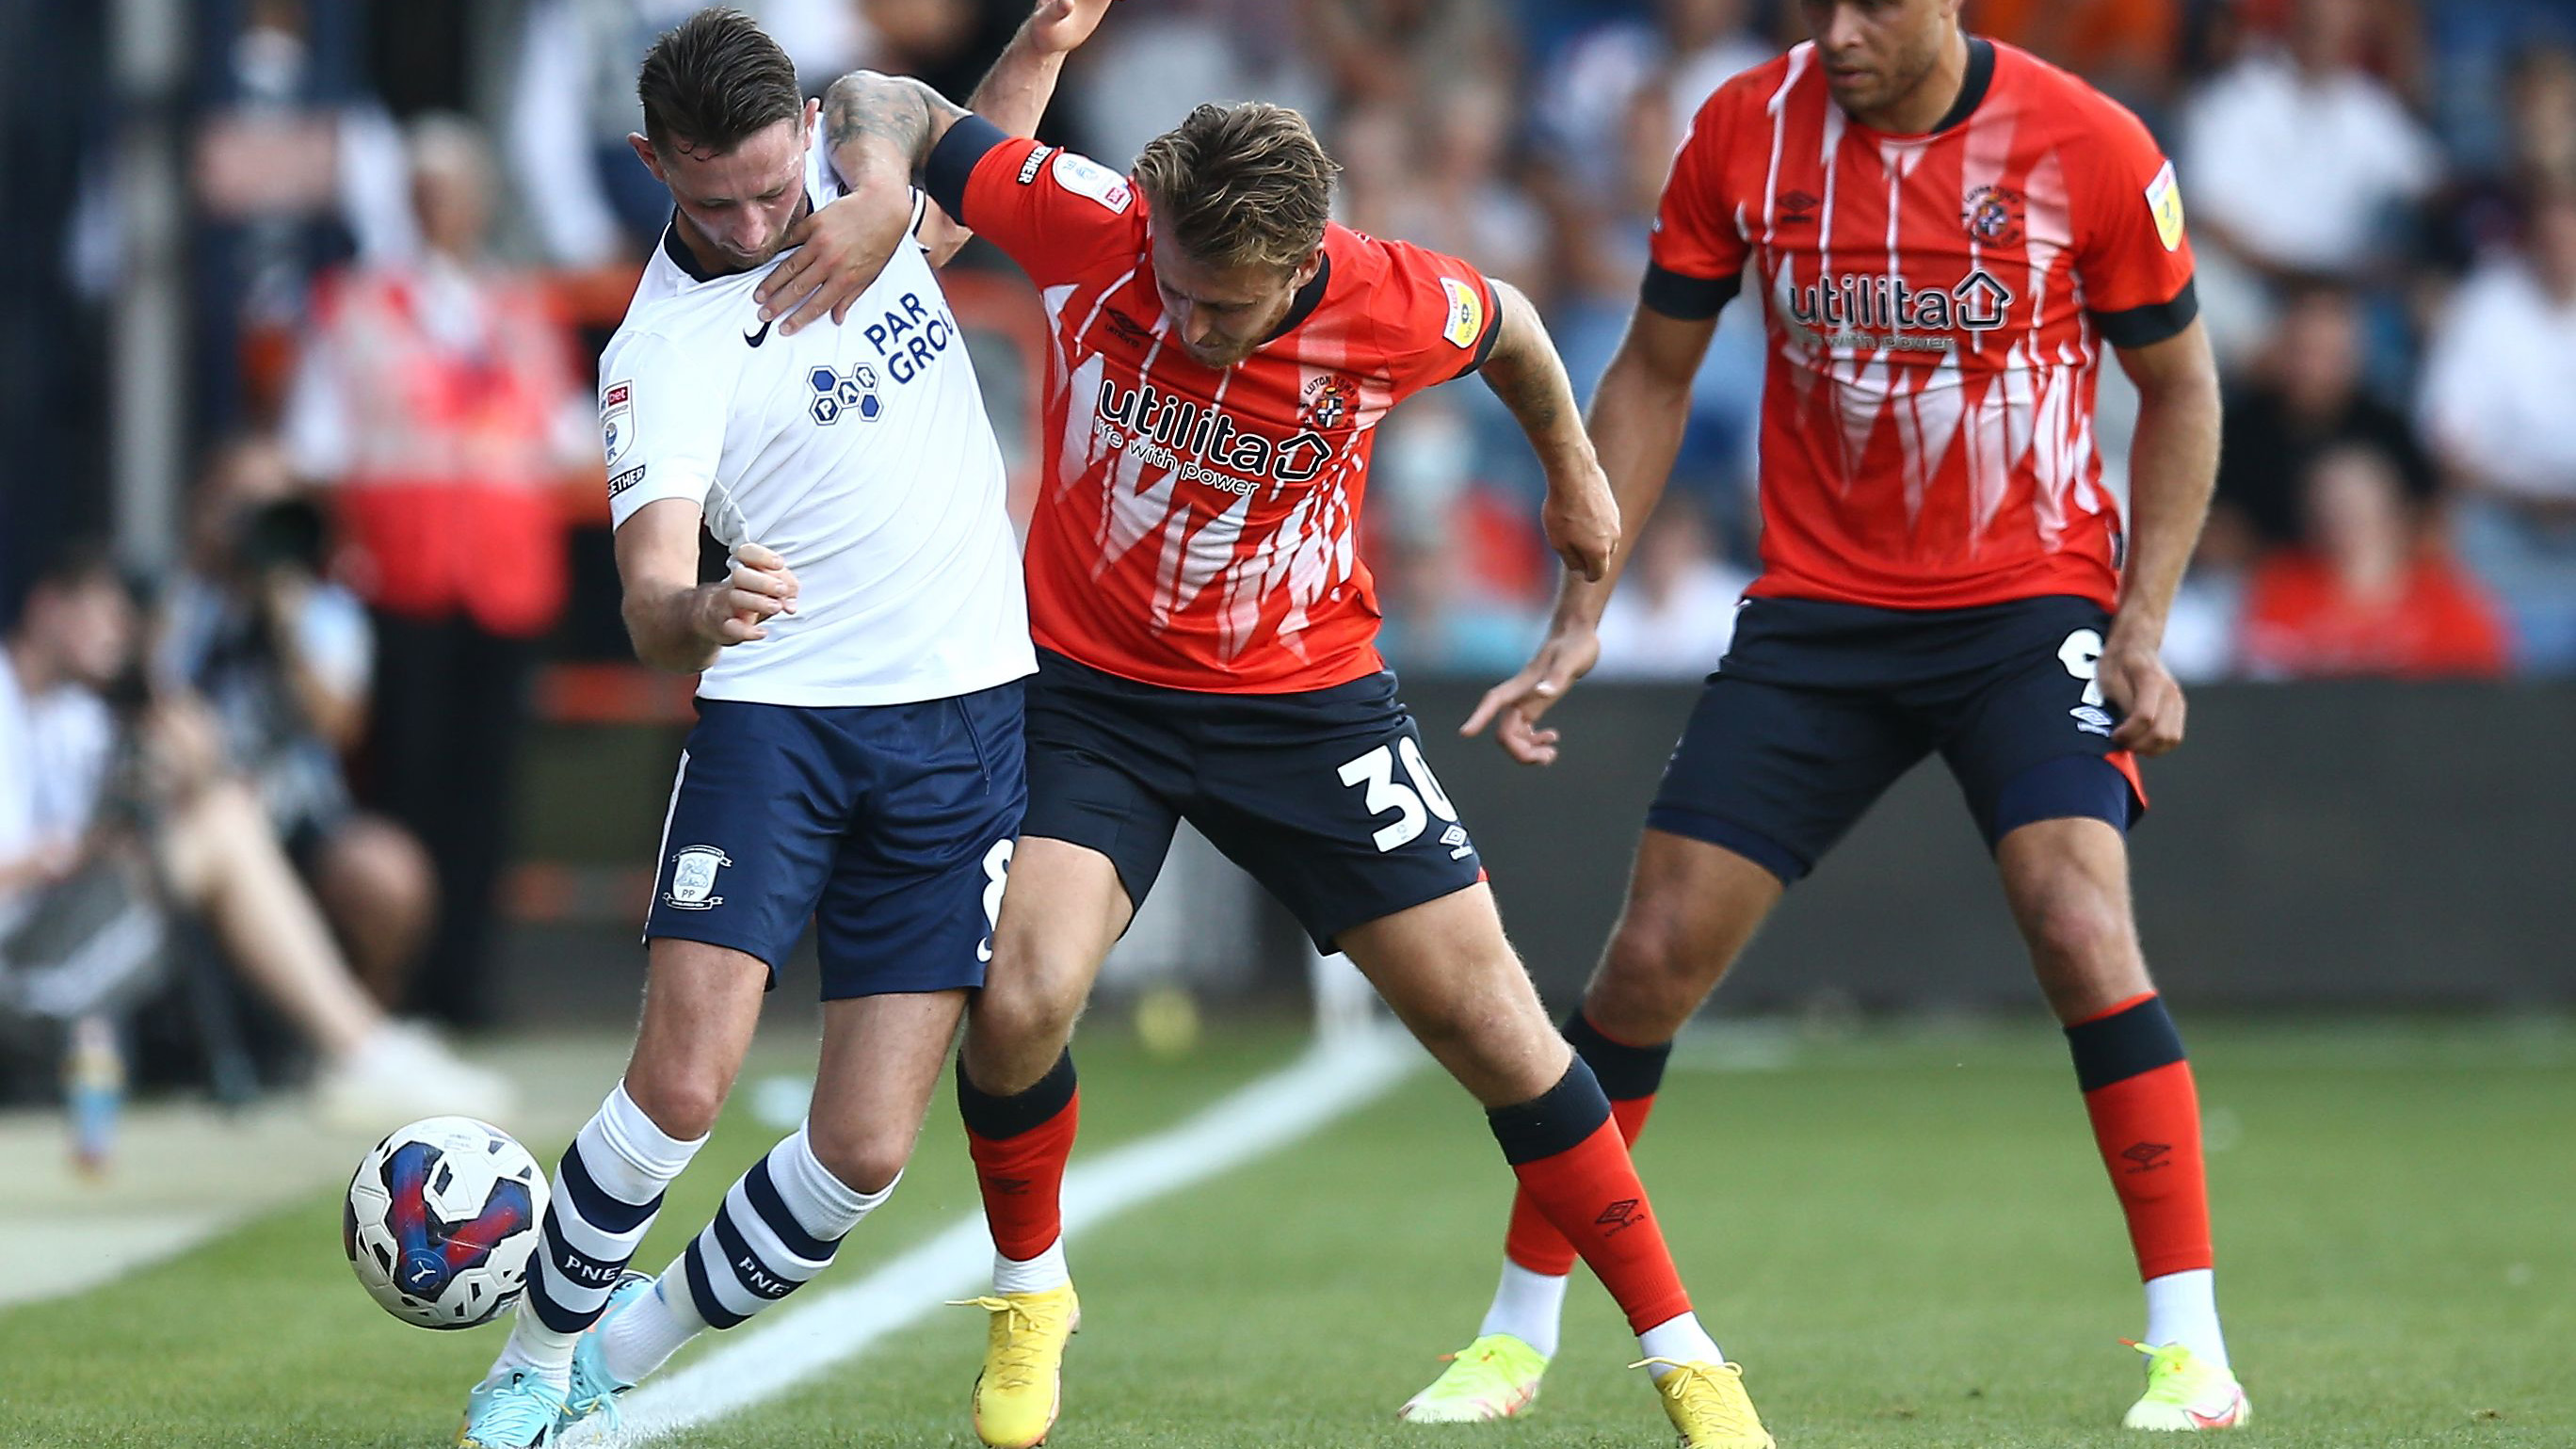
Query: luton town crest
1993,215
1329,400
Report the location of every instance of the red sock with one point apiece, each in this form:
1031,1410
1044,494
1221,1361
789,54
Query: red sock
1572,1162
1020,1145
1533,1242
2146,1118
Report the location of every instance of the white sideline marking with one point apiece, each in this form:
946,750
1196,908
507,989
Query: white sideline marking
1335,1076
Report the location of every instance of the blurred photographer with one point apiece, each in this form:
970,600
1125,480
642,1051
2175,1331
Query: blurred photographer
108,816
284,658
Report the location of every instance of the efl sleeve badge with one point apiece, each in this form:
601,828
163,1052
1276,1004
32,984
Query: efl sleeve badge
1466,313
2164,202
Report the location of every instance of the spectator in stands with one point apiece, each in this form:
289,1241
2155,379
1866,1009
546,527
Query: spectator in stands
2480,213
1680,52
2129,48
2298,161
2304,394
2499,409
1676,614
439,405
1406,52
204,832
1138,78
284,658
571,107
2363,595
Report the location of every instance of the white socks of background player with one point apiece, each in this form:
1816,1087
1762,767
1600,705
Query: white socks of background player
1528,1306
780,1225
2183,1308
607,1189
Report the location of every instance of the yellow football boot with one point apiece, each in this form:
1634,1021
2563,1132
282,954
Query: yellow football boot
1022,1385
1708,1405
1493,1378
2186,1394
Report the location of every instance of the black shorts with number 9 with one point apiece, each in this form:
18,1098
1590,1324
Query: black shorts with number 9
1818,707
1322,796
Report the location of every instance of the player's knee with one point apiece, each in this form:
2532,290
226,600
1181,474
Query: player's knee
682,1101
2079,930
1028,1004
1649,975
865,1157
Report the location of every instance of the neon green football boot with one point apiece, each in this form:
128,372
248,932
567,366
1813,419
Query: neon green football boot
1495,1377
2186,1394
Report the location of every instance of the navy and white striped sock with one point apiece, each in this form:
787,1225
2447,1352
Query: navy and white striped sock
607,1189
780,1225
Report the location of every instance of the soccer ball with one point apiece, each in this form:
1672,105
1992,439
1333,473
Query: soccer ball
440,1220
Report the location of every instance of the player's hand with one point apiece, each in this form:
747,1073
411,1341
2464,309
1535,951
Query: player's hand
839,250
1514,706
1582,520
2135,680
1057,26
760,588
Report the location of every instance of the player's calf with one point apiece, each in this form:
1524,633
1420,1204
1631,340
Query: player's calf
781,1223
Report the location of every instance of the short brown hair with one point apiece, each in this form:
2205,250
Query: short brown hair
1240,185
713,82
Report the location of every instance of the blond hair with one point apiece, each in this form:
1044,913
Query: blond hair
1240,185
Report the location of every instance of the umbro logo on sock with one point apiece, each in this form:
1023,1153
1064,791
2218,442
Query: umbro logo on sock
2147,1155
1619,1216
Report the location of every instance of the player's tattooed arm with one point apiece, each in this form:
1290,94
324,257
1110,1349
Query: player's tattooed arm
882,127
2173,467
1581,518
878,133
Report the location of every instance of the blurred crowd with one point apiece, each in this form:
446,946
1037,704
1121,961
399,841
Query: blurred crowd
389,395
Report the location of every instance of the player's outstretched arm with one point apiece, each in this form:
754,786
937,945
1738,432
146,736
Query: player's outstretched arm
1637,421
676,622
2173,466
880,130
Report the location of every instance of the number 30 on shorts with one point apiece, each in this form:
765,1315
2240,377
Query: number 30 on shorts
1414,804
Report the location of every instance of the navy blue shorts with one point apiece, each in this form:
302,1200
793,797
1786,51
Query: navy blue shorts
1818,708
889,826
1322,795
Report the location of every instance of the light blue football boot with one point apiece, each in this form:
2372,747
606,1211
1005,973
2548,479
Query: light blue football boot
594,1389
513,1409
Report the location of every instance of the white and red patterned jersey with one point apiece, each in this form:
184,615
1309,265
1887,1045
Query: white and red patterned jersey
1197,528
1936,308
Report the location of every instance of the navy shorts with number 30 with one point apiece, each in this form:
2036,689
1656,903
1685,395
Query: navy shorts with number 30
1320,795
888,826
1818,707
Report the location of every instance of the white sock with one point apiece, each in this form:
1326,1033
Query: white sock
708,1286
1528,1306
1032,1275
607,1191
2183,1308
1680,1339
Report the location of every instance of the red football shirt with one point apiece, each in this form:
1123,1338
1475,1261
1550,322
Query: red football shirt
1195,528
1936,308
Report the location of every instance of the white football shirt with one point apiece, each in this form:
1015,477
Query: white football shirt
860,452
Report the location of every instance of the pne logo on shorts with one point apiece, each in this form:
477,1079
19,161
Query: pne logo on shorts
693,878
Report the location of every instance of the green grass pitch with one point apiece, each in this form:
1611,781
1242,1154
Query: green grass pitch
1906,1238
